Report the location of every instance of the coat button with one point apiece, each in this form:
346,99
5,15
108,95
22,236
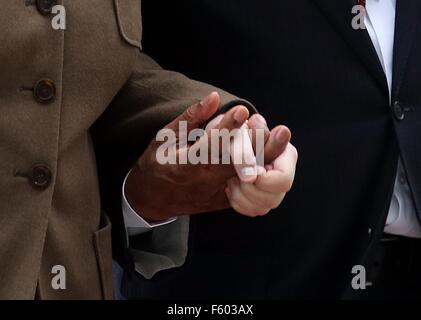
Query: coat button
44,91
398,111
45,6
41,177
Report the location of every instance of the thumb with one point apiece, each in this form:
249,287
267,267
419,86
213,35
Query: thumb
198,114
242,155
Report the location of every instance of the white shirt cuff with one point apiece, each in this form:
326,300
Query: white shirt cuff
133,222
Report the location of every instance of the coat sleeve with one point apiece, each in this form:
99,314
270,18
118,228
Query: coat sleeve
149,100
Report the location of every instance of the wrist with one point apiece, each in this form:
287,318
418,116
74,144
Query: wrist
139,199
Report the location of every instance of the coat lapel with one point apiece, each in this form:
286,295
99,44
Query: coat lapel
339,13
408,13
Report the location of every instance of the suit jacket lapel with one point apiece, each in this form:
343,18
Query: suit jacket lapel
408,13
339,13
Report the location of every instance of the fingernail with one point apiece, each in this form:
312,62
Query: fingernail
248,171
260,170
261,119
269,167
240,116
280,137
207,100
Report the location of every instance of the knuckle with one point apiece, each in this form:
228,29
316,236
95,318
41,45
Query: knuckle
189,114
255,213
286,182
264,212
279,201
287,185
265,203
294,152
258,211
243,210
249,213
239,209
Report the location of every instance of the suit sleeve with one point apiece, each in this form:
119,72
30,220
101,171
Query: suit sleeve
149,100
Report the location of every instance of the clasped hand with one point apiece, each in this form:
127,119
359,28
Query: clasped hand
161,191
